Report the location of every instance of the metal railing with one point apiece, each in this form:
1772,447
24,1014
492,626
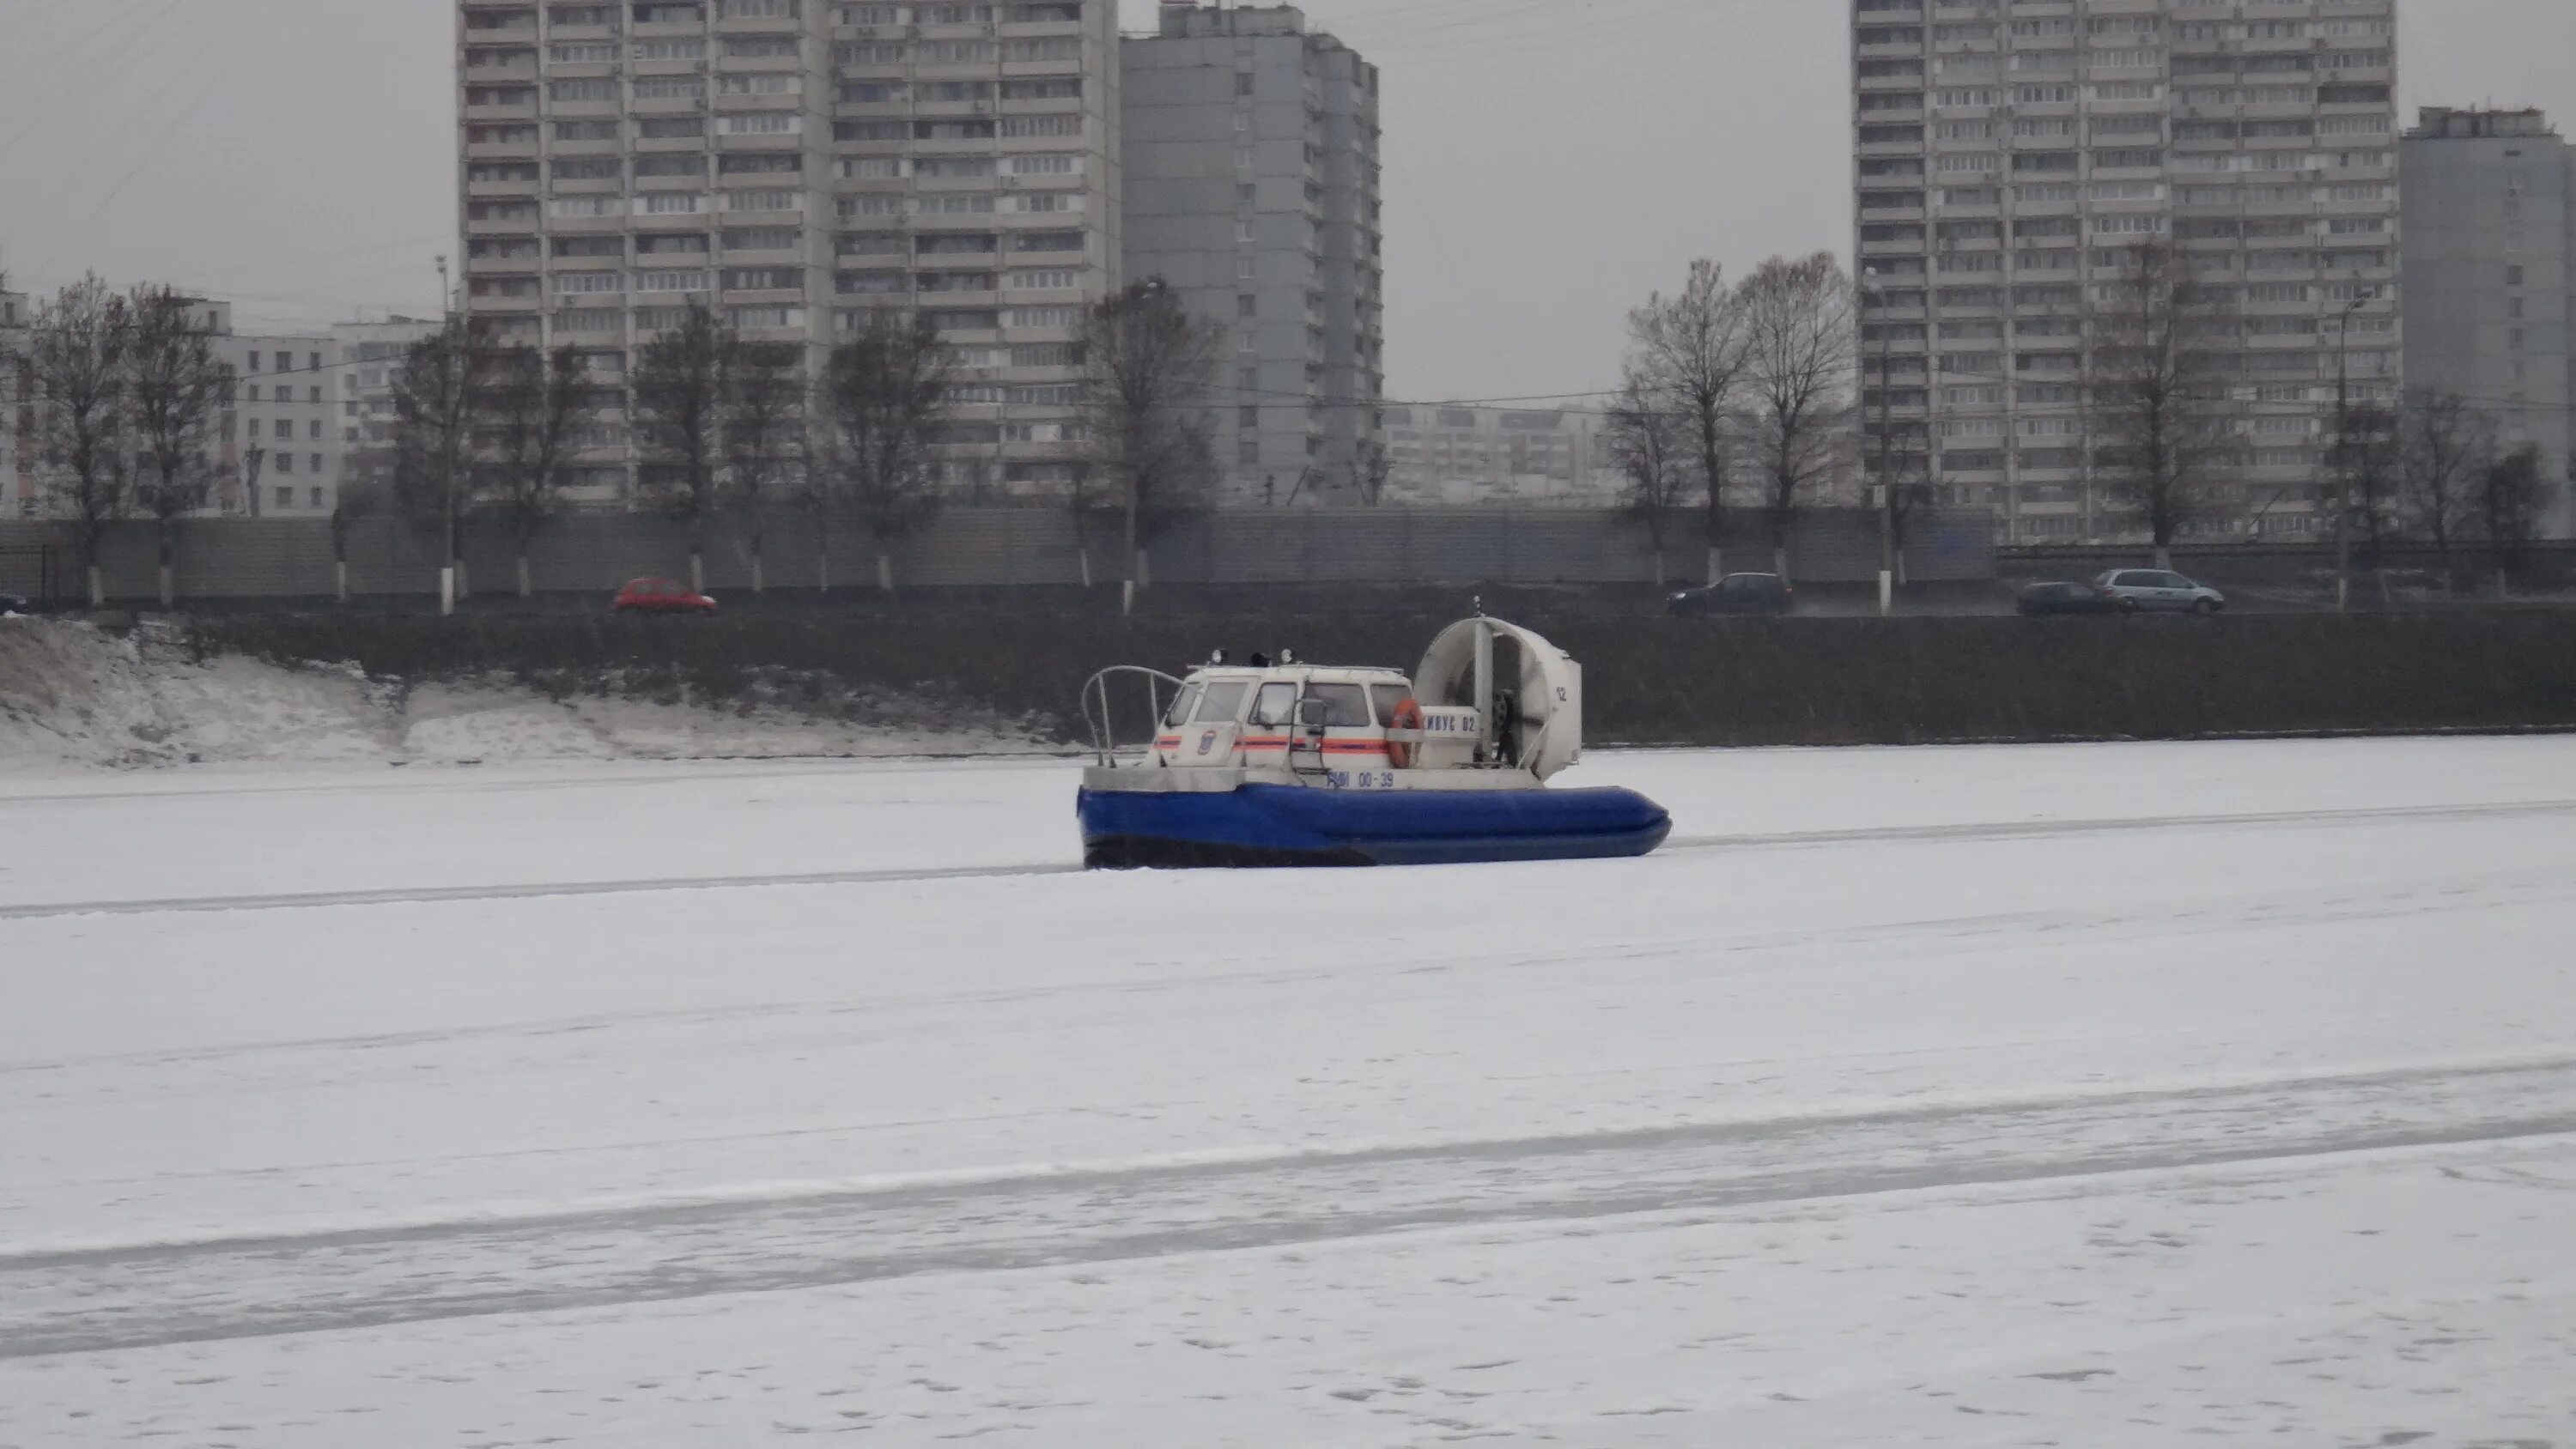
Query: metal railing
1099,717
32,573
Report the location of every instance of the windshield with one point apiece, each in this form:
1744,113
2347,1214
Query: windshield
1181,707
1223,702
1387,697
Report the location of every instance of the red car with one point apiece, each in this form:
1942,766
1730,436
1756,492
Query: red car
660,596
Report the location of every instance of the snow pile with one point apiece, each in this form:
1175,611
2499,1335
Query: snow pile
74,695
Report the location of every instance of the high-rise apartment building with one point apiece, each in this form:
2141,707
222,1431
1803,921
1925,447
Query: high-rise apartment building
2011,157
1253,191
794,164
2490,224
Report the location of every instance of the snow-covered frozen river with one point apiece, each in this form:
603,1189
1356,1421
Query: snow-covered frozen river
2098,1096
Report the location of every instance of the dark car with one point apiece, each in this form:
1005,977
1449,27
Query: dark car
1735,594
2066,598
660,596
12,604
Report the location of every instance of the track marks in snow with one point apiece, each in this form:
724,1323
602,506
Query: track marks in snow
1743,952
148,1295
437,895
2054,829
1962,833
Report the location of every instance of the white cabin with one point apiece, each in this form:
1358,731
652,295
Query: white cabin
1493,706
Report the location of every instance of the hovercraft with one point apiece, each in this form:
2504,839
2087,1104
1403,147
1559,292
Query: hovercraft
1282,763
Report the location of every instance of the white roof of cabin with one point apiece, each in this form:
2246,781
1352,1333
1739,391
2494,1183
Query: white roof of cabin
1296,674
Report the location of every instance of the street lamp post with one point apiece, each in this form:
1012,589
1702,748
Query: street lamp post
1877,296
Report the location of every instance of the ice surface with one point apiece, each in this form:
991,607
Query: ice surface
2085,1095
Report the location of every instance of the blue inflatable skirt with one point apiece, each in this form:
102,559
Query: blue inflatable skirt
1288,825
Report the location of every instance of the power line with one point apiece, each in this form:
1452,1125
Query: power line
46,60
75,80
223,74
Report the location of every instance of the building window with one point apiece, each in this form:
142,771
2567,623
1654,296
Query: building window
286,498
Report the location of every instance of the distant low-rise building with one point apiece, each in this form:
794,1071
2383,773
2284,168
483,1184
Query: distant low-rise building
277,444
284,454
371,357
1458,455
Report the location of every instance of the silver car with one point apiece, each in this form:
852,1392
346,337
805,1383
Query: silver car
2140,589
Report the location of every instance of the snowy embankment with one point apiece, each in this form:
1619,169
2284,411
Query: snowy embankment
72,696
2100,1095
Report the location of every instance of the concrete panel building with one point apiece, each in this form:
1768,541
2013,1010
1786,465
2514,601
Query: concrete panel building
2008,158
2490,240
1468,455
371,356
1253,190
284,444
796,164
277,444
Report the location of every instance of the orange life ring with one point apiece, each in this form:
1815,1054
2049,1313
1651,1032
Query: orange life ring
1407,716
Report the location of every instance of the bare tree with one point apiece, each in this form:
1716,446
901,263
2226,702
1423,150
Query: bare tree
77,355
764,429
815,487
529,405
1798,325
1090,495
366,490
1693,351
680,384
1653,447
178,393
438,393
1146,364
2369,457
2444,450
1910,490
2156,380
1370,468
2512,494
884,399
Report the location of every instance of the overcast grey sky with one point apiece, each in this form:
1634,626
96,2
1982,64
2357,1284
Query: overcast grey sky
1548,162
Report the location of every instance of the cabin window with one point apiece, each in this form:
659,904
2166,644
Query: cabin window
1345,705
1223,703
1276,706
1181,707
1387,697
